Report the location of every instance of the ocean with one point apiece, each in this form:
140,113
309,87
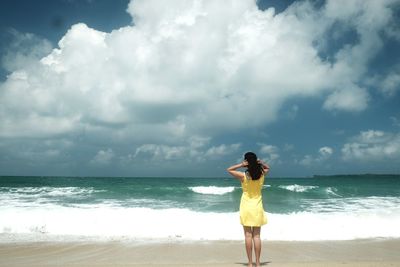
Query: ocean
162,209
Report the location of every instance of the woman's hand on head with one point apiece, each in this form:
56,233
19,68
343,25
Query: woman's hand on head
245,163
264,165
261,162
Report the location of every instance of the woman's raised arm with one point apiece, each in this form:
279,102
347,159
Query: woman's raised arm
233,170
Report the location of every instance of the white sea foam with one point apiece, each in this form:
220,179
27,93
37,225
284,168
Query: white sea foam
298,188
353,205
332,191
212,190
51,191
28,196
355,218
112,222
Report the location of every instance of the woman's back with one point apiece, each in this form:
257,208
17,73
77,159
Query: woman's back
251,206
252,188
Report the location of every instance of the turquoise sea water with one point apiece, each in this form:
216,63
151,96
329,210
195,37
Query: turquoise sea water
330,207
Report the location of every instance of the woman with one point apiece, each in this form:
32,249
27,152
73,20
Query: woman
252,215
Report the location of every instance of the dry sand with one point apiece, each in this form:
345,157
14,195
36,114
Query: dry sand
214,253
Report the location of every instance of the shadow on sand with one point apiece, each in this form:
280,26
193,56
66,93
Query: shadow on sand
265,263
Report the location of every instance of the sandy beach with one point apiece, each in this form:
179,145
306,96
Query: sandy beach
364,253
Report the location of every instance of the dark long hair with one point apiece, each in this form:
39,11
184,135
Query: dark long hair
254,168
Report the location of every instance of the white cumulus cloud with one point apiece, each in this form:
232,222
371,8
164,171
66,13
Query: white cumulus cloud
188,68
391,83
269,153
103,157
355,99
324,153
184,65
221,150
372,145
196,150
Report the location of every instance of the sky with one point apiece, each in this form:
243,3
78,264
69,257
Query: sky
186,87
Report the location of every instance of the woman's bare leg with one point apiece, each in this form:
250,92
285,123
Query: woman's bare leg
257,244
248,238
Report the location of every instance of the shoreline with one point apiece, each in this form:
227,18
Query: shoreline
361,252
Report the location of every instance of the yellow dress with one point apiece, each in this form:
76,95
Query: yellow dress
251,206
